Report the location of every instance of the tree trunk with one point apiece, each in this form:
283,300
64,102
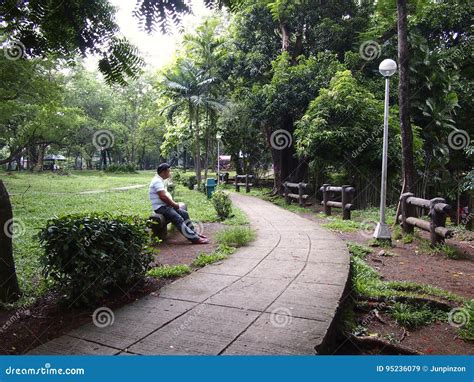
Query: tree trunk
198,151
207,140
408,167
285,37
9,289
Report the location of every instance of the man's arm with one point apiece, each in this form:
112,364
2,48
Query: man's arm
162,195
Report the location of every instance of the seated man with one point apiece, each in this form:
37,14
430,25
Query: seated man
163,203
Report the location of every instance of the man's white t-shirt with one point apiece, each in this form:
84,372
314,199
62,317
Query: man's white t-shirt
157,184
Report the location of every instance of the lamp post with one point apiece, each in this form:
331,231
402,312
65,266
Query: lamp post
218,137
382,232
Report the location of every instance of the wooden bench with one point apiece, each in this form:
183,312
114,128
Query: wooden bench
247,178
300,196
159,224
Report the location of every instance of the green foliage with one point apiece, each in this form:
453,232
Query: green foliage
368,283
345,118
337,224
120,61
191,182
169,271
235,236
383,243
220,254
358,250
64,29
407,238
121,167
222,204
414,316
88,255
153,13
438,249
466,315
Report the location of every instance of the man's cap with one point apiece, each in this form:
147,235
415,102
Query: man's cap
162,167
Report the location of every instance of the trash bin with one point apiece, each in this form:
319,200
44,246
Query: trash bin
210,187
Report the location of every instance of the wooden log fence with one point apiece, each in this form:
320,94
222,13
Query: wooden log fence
243,180
438,211
346,192
301,196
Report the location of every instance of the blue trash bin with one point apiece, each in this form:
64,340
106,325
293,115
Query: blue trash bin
210,187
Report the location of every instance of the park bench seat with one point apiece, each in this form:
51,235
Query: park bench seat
159,224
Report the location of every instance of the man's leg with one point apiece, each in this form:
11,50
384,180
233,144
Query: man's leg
185,215
177,220
187,220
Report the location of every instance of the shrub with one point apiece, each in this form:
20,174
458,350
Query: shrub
177,176
86,256
121,167
191,182
171,187
222,204
235,236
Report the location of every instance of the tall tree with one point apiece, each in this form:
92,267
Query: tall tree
188,88
408,167
9,289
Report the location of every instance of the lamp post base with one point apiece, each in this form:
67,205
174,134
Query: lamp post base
382,232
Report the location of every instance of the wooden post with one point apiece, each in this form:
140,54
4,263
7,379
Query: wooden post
437,219
346,212
237,187
300,194
327,209
287,191
247,187
406,212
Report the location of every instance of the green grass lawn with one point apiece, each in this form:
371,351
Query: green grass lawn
38,197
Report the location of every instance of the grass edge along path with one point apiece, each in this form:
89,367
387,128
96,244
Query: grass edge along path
411,304
229,240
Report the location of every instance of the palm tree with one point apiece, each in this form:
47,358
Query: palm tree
188,87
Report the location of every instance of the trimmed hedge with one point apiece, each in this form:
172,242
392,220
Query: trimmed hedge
86,256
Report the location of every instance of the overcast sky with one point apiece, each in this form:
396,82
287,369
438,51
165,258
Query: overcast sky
157,49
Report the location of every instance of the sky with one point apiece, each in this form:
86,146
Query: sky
157,49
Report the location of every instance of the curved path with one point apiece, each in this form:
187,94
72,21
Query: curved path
278,295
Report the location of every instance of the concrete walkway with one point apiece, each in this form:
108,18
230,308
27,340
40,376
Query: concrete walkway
276,296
